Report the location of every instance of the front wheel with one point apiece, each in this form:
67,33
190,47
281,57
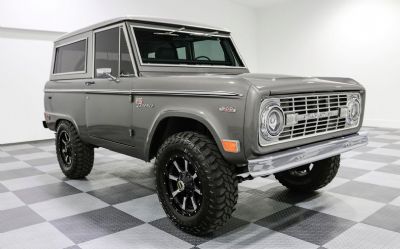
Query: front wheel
310,177
74,156
197,188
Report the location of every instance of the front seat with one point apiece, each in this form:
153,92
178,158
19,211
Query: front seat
166,54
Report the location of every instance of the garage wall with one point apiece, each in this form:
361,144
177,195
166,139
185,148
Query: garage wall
350,38
27,29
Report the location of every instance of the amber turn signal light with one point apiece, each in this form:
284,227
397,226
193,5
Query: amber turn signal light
232,146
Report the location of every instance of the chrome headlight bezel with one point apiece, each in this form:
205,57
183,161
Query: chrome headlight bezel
268,108
353,107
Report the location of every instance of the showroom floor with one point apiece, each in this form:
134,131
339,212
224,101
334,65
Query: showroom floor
116,206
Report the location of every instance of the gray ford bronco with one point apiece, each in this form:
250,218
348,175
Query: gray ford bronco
181,93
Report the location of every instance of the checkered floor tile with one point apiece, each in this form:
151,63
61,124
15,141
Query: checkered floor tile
116,206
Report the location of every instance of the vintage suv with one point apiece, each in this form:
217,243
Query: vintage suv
180,92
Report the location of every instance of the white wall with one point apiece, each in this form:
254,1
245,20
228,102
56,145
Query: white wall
25,46
351,38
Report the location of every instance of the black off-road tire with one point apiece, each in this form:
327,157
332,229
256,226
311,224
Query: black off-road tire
218,182
321,174
82,154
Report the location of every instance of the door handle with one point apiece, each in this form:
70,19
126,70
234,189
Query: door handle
88,83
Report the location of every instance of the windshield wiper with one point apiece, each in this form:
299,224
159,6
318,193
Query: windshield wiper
205,34
170,33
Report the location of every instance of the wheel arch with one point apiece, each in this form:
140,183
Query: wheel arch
171,123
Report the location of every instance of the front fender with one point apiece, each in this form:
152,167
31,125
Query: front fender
215,124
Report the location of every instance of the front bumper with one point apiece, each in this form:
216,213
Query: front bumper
292,158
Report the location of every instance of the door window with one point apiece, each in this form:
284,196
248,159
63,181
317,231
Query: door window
111,51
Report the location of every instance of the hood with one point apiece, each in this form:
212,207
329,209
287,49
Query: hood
285,84
271,84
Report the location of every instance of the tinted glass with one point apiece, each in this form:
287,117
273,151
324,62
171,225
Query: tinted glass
164,47
107,50
126,62
70,58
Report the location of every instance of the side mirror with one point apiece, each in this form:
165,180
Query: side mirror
105,73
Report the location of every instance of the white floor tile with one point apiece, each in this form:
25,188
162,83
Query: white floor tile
254,237
397,162
350,154
389,136
336,182
32,156
343,206
380,178
361,164
385,152
29,182
146,208
396,201
16,147
4,154
67,206
13,165
43,236
49,168
8,200
140,237
373,144
93,183
365,237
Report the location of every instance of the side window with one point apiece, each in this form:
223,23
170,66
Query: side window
111,51
107,50
70,58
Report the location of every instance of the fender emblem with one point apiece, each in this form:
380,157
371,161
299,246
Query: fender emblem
139,102
229,109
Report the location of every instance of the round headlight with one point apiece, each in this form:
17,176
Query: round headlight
353,111
272,121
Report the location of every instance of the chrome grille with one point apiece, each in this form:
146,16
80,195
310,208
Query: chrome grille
307,105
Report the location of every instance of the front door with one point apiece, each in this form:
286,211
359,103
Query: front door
108,96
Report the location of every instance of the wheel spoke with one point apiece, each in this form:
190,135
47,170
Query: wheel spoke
173,178
193,203
197,190
194,176
186,166
177,167
184,203
175,192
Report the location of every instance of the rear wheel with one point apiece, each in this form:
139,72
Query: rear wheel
74,156
196,187
310,177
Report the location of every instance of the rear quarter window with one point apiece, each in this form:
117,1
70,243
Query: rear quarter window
70,58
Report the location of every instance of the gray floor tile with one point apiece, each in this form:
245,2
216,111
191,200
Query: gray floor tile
387,217
368,191
376,158
392,146
18,217
42,161
308,225
24,151
166,225
45,192
18,173
350,173
7,159
121,193
95,224
391,168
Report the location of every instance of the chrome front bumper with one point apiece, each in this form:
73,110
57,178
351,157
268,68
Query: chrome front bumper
292,158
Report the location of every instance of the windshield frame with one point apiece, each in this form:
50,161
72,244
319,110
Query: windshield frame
188,30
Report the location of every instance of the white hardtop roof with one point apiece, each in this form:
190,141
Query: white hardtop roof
148,20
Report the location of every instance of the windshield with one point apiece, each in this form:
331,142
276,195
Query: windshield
175,47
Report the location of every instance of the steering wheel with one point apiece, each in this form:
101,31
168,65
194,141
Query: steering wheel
202,56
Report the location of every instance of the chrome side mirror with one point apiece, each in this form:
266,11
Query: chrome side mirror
105,73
